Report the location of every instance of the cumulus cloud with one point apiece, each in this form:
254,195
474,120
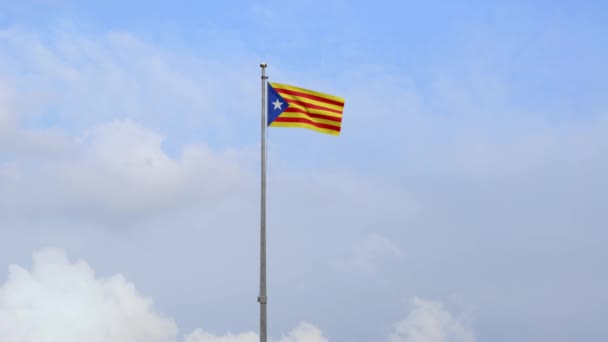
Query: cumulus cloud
303,332
120,169
63,300
60,300
200,335
124,155
429,321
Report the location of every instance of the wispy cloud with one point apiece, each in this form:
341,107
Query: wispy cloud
75,81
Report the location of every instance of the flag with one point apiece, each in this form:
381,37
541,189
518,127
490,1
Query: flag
290,106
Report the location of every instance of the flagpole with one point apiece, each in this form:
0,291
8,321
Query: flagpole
262,299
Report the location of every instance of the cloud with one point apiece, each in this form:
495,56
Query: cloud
200,335
429,321
84,122
63,300
120,170
303,332
124,155
60,300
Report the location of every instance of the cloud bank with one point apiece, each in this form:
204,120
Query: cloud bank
63,300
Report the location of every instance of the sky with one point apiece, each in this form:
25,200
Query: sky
463,201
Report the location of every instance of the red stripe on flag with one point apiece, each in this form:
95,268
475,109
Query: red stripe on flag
312,106
309,96
310,122
316,116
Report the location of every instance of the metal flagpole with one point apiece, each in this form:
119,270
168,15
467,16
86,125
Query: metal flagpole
262,299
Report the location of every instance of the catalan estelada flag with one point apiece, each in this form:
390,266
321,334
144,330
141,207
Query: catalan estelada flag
290,106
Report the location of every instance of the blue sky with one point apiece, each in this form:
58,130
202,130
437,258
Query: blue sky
463,200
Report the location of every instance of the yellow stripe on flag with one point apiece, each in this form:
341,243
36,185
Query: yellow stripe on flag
278,86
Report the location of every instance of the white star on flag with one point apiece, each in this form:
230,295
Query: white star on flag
277,104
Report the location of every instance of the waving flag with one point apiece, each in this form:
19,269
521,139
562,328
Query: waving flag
290,106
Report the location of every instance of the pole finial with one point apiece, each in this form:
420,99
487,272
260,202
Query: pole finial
263,65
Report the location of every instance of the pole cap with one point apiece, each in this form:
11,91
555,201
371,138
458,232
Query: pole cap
263,65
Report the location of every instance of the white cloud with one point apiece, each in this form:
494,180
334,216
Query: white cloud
123,155
120,169
63,300
60,300
71,132
200,335
303,332
429,321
